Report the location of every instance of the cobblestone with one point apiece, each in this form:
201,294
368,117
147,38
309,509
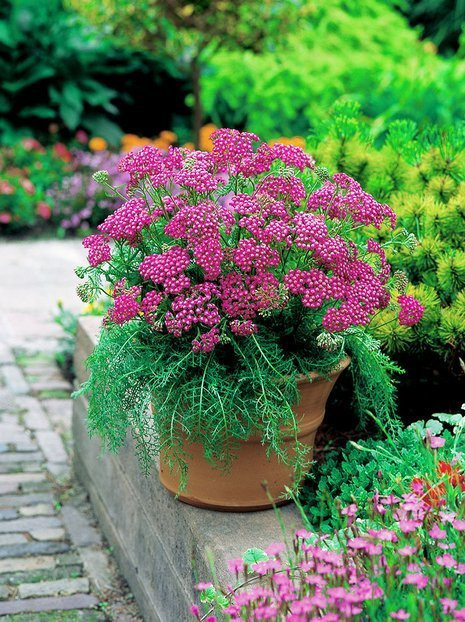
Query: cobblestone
62,587
45,555
33,548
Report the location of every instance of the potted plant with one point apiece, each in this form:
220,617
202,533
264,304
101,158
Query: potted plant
241,281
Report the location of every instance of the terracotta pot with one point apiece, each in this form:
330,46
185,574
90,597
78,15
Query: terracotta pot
240,489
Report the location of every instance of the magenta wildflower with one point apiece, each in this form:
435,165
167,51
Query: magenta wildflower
401,614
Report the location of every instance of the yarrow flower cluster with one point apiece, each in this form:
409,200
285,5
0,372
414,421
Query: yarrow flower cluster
408,559
219,242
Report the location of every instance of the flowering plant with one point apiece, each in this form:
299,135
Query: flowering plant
232,272
399,558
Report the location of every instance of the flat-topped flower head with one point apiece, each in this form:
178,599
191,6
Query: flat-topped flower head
259,224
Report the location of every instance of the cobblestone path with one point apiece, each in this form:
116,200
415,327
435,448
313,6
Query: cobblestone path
54,565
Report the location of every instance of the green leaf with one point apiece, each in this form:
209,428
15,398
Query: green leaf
252,556
435,427
40,72
43,112
71,105
99,125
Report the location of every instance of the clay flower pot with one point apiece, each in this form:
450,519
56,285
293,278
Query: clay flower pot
240,489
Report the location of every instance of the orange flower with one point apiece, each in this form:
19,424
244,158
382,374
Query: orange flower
189,146
297,141
205,142
454,474
161,143
97,144
168,136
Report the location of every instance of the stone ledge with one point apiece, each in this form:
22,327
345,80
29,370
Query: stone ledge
160,543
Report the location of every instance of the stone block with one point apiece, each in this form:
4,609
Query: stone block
56,533
80,530
51,445
48,603
61,587
26,564
14,379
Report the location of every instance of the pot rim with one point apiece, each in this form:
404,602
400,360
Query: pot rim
315,376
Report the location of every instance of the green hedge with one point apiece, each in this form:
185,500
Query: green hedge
365,51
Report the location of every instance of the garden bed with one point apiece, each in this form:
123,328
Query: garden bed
160,543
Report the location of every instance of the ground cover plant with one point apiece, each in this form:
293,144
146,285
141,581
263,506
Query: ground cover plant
395,553
227,270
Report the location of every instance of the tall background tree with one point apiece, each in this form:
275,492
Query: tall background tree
186,34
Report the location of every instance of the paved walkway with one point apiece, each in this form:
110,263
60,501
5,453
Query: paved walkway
53,562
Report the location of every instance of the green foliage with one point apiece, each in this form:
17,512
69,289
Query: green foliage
364,51
56,69
386,465
217,399
421,175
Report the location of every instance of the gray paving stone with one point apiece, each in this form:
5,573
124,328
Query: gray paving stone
80,530
34,415
4,592
59,470
21,478
16,467
60,603
52,446
14,379
12,538
41,509
96,566
17,456
23,564
55,533
43,386
28,524
62,587
23,500
28,549
68,559
6,356
35,487
8,514
7,400
26,445
8,487
59,411
49,574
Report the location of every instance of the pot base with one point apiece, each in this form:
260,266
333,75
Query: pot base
199,503
241,488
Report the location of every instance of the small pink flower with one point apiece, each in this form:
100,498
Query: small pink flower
203,585
406,551
275,549
408,526
458,524
417,579
436,442
236,565
448,605
437,533
446,560
401,614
